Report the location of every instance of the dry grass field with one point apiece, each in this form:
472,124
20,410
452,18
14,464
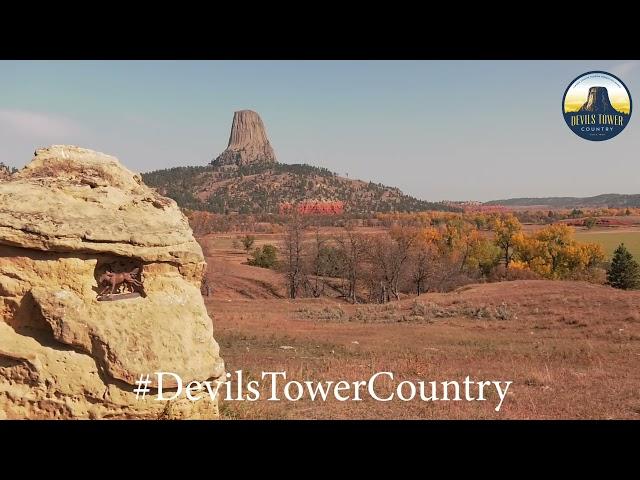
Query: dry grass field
571,349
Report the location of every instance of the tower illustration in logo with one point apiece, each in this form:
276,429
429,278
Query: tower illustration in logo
597,106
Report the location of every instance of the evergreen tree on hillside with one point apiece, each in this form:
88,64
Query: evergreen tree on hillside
624,272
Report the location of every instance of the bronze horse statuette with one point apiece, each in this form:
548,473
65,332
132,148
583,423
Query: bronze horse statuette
113,281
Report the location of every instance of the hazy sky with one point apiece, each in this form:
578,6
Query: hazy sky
458,130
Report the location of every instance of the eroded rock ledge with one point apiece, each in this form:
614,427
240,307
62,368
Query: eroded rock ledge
65,218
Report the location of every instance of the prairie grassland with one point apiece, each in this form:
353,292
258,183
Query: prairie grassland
572,350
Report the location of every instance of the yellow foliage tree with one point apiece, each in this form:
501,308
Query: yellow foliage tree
556,247
552,252
506,232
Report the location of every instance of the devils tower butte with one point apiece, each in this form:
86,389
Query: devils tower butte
248,142
598,101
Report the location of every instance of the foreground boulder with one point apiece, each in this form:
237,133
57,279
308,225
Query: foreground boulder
65,219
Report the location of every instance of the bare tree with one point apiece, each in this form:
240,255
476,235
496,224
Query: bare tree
316,267
352,247
205,285
420,261
444,273
293,252
389,256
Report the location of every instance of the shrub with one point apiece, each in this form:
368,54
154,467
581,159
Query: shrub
247,242
503,312
328,313
514,272
265,257
590,222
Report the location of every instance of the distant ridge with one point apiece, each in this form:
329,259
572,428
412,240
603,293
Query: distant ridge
606,200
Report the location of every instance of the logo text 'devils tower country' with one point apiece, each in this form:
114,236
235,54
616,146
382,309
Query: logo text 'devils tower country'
596,106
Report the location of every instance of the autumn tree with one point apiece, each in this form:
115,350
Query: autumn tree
447,256
421,258
592,254
552,252
506,233
480,221
528,254
466,242
554,244
480,255
452,232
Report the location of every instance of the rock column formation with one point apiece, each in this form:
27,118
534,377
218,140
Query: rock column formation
248,142
66,218
598,101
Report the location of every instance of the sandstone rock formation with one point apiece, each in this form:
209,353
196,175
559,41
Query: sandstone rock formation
248,142
5,172
66,218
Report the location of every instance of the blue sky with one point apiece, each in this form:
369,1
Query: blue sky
457,130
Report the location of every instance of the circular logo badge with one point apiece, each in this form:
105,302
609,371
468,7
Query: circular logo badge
597,106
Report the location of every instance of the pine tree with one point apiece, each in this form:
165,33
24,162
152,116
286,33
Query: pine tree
624,271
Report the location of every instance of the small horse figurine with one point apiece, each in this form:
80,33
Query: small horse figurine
114,280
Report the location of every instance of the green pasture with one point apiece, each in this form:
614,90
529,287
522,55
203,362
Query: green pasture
611,240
